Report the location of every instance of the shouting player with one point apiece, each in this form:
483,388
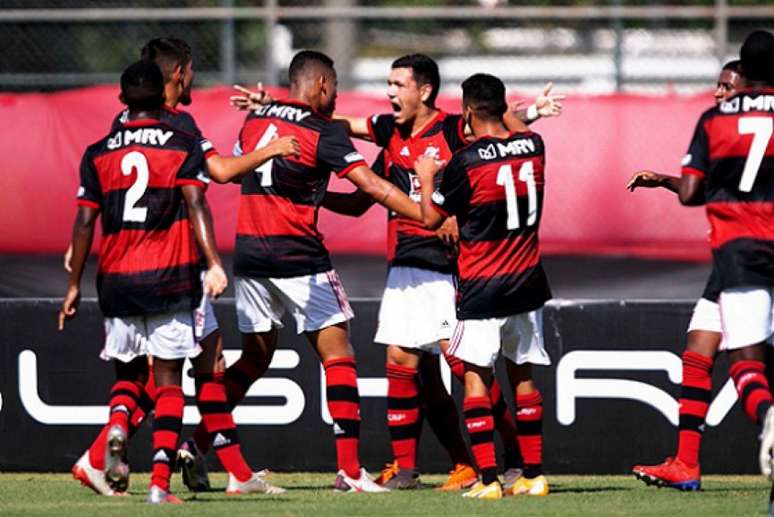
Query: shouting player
173,56
494,187
705,334
280,261
146,180
730,168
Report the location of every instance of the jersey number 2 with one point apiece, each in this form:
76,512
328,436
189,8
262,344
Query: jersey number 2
761,129
506,180
136,161
265,169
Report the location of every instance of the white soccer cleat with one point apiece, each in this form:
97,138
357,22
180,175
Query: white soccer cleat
767,445
116,467
91,477
158,496
256,484
344,483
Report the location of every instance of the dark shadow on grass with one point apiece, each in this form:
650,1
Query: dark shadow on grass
239,499
558,489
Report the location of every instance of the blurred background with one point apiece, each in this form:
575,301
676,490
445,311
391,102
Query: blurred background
638,74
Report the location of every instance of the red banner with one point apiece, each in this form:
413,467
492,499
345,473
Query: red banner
591,151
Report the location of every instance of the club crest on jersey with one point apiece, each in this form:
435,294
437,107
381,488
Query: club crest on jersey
146,136
433,152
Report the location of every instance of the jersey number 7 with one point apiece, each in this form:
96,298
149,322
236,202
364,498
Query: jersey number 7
761,129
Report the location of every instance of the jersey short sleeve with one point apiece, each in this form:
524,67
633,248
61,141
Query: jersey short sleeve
696,160
336,151
193,171
453,194
381,128
454,132
89,191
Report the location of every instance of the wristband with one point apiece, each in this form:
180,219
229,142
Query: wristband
532,113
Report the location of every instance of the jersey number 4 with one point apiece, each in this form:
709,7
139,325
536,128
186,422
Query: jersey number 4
265,169
136,161
761,129
506,180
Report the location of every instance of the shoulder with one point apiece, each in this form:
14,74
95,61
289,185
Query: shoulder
181,121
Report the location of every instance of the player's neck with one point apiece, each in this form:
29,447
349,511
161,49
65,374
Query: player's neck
495,128
171,95
143,114
422,119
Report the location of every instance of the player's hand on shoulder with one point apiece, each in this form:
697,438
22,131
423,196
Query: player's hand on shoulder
427,167
285,146
69,305
215,281
644,178
548,104
250,100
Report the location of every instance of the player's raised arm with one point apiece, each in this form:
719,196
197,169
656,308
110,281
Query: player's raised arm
384,192
225,169
426,168
650,179
356,126
353,204
546,105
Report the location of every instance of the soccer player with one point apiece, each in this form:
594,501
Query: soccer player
173,56
280,262
146,180
705,335
494,187
730,169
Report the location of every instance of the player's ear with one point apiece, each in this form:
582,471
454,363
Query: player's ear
121,98
424,92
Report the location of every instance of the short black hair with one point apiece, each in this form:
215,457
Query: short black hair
307,61
168,53
425,71
485,94
142,86
758,56
735,65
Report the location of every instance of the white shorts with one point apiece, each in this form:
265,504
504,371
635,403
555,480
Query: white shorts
315,301
417,309
519,337
166,336
747,316
205,322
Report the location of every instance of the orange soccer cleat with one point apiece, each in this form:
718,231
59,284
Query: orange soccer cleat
462,476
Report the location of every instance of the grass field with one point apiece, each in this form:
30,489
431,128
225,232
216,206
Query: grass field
309,494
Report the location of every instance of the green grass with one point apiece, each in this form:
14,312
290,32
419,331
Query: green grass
309,494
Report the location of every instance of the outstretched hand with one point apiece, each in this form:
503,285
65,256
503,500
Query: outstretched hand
645,179
250,100
548,104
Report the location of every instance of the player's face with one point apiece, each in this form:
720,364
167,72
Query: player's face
186,82
328,92
728,84
405,95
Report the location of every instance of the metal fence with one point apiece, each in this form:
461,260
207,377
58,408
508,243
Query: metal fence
587,46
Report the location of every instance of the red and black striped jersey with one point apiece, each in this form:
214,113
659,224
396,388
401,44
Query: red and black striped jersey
277,233
148,262
495,188
408,242
733,151
177,119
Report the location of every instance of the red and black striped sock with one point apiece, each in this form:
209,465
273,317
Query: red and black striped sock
344,407
480,425
144,406
123,402
237,379
694,404
753,388
403,417
166,432
529,419
505,425
217,419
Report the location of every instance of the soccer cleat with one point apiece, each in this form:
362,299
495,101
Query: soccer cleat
462,476
673,473
767,445
389,471
193,466
481,491
116,467
91,477
344,483
510,477
529,486
256,484
158,496
405,479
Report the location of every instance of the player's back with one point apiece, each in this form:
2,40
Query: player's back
740,185
277,234
148,257
500,272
